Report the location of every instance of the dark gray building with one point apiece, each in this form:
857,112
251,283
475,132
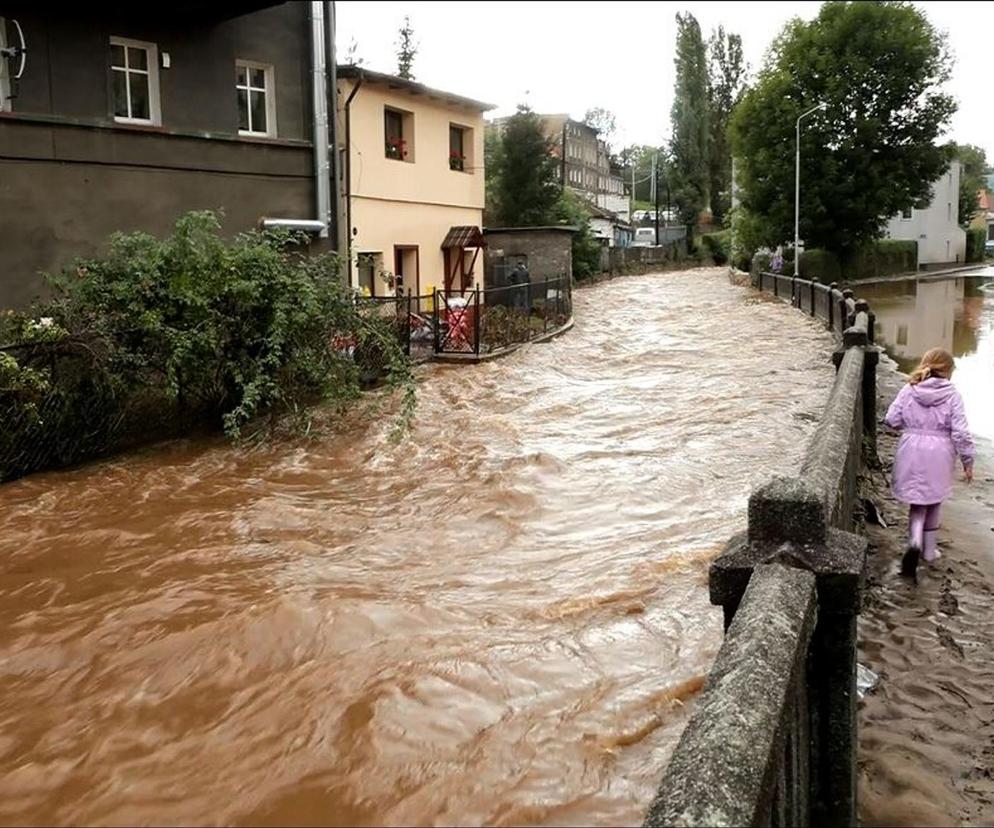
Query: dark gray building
127,116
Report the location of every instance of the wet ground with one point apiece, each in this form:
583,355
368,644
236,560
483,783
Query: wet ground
498,620
927,732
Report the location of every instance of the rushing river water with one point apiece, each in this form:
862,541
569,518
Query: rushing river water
955,314
496,620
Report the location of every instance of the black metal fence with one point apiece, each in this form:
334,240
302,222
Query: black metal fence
477,321
835,307
487,321
413,321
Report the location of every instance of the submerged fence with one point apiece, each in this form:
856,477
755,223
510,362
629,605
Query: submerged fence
772,740
479,321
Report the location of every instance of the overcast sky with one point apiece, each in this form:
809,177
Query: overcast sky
570,57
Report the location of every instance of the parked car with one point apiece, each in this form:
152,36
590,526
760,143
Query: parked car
989,247
644,237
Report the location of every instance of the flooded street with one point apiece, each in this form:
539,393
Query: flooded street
955,314
496,620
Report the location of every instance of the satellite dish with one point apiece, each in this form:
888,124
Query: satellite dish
16,52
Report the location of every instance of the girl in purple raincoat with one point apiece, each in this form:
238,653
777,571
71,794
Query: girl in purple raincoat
929,412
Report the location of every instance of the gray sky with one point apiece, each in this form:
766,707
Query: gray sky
569,57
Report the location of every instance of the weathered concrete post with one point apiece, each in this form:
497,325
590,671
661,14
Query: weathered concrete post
849,304
858,335
788,525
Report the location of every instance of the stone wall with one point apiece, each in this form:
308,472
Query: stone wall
548,252
617,259
773,738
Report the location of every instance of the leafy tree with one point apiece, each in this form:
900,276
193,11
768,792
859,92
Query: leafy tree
523,172
406,50
639,156
877,68
726,76
689,116
493,146
352,54
603,121
586,250
972,178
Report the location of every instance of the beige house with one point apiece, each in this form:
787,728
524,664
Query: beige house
412,184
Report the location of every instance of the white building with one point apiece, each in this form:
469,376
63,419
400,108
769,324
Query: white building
619,204
936,228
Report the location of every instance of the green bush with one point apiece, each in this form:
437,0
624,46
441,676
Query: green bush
760,263
821,265
586,249
718,246
189,328
883,257
976,238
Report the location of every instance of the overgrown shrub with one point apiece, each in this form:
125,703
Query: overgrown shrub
586,249
188,328
976,238
501,326
883,257
718,246
821,265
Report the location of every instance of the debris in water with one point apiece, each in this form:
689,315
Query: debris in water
873,514
866,680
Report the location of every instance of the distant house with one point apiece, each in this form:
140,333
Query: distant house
936,227
125,117
611,229
584,159
984,217
413,184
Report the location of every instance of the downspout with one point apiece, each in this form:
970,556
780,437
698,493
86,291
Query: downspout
319,96
348,172
334,155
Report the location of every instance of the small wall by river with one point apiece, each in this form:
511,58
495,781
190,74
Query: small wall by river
773,737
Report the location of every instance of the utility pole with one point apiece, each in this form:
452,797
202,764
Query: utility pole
631,196
655,164
652,186
797,191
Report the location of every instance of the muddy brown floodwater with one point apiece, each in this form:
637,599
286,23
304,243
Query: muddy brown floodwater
498,620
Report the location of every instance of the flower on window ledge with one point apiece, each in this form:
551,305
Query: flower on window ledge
396,148
456,160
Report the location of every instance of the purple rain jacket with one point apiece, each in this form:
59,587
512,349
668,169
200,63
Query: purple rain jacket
934,431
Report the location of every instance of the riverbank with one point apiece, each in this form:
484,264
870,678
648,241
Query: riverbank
926,734
921,275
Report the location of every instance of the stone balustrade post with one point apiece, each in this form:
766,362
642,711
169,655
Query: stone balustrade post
788,525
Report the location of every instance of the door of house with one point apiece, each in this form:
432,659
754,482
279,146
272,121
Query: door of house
406,266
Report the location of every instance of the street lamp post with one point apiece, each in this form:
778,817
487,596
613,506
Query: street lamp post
797,191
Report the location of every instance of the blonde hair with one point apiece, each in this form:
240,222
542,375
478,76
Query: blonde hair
935,363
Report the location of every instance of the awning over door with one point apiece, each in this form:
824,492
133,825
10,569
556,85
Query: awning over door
463,236
458,241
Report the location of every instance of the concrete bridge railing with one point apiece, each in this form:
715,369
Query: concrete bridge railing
772,740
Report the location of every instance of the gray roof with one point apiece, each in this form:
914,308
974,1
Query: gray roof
395,82
566,228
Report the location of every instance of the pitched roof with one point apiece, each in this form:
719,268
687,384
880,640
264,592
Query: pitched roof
467,235
414,88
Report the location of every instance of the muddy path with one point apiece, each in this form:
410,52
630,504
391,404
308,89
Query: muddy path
927,732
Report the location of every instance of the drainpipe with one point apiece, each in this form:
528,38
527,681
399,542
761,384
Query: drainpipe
319,96
334,155
348,173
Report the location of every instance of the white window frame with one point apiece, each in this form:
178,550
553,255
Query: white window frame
152,60
269,73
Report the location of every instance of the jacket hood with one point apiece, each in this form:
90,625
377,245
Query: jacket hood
932,391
